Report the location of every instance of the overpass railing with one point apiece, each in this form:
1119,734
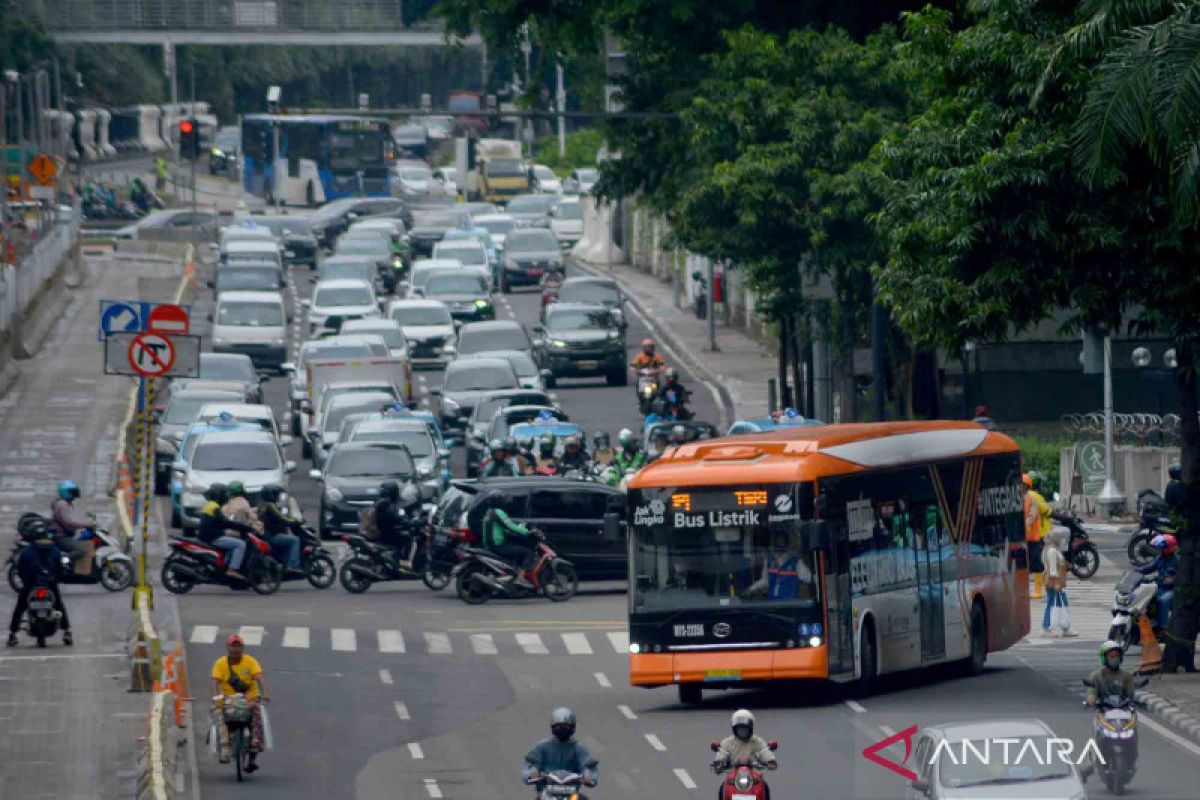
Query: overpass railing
241,15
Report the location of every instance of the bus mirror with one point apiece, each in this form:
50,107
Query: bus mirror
817,535
612,527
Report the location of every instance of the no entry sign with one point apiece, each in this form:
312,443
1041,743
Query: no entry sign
151,354
168,319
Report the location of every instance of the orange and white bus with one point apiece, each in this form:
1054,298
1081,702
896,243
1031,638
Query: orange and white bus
838,552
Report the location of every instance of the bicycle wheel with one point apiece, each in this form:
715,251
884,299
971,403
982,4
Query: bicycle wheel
241,751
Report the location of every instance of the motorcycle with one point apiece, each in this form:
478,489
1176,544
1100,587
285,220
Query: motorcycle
41,616
482,575
561,784
112,566
431,557
647,388
1115,731
1155,519
744,779
1134,599
316,562
1082,555
192,562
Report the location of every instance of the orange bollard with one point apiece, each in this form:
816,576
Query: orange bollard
1151,651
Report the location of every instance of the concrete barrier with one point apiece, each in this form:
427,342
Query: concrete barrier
158,762
148,130
104,149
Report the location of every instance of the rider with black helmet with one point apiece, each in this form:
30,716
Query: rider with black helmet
1175,493
213,527
391,516
283,532
39,564
507,538
560,752
673,393
574,457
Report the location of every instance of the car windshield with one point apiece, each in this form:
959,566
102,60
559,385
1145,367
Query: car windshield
542,171
182,410
363,244
456,284
227,139
347,270
699,549
226,369
416,174
250,315
235,457
530,204
469,253
505,167
538,240
332,351
496,225
569,211
1024,765
417,440
438,219
343,296
248,279
381,461
589,292
392,335
440,124
536,430
466,377
522,363
489,339
422,316
587,175
579,319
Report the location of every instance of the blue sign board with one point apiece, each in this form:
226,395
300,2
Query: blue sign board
126,316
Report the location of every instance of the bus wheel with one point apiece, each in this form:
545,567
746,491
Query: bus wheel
310,196
868,666
690,694
978,656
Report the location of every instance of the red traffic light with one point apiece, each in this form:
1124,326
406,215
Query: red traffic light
186,126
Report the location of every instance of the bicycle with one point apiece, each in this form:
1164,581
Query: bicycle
238,717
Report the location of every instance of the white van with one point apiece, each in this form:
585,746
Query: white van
253,323
254,251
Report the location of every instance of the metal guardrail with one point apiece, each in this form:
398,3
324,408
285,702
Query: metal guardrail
1138,427
216,15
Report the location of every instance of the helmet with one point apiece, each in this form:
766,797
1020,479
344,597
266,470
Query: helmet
678,434
510,444
671,374
496,445
35,528
1175,472
657,406
742,719
217,493
626,438
562,723
390,490
236,489
1107,648
648,346
1027,479
1166,543
271,493
68,490
572,442
601,440
546,443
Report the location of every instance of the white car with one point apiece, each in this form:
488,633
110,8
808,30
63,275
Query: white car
423,269
251,458
497,226
581,180
947,769
566,220
447,179
344,298
428,327
414,181
254,323
468,252
544,179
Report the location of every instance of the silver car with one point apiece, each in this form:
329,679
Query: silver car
251,458
411,433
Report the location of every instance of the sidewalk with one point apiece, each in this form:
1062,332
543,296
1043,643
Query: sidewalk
71,726
739,371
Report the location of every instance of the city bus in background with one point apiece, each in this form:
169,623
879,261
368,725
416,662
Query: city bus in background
836,552
310,159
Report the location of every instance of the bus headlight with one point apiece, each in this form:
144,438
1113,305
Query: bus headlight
814,641
635,648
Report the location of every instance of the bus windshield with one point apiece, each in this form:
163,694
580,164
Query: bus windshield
356,149
718,548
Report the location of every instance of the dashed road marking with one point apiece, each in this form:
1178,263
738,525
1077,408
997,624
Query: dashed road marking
204,634
685,779
385,677
343,639
431,786
401,710
602,679
856,707
295,637
414,750
627,712
655,742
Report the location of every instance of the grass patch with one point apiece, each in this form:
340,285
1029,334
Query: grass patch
581,150
1042,455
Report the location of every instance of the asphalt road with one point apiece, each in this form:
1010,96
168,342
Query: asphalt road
404,694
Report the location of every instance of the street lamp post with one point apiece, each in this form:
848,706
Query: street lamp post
1110,495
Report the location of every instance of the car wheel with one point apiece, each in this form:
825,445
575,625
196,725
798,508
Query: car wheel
552,381
162,483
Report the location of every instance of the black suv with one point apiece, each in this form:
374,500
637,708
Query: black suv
580,340
571,512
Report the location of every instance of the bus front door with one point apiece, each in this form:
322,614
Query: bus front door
930,595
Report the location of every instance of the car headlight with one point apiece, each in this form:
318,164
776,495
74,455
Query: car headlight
218,153
332,495
614,335
482,304
558,343
278,342
219,342
510,263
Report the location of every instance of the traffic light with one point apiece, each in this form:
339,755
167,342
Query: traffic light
189,139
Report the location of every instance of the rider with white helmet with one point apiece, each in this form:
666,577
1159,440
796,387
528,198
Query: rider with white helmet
743,744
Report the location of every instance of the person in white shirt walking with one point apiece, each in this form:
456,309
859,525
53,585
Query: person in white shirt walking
1056,619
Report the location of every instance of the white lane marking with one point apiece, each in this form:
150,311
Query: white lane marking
620,641
438,643
602,679
431,786
414,750
204,634
390,641
1171,736
685,779
483,644
252,635
577,644
343,639
627,712
401,710
856,707
656,743
532,644
385,677
295,637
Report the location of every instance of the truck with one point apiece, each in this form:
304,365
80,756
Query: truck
376,371
500,172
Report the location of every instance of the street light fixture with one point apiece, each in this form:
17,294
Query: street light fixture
1141,357
1169,359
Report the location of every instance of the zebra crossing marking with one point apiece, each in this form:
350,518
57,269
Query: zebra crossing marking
483,644
577,644
295,637
252,635
343,639
620,641
390,641
532,644
204,634
438,643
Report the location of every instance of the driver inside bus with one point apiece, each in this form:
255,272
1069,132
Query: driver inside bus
784,575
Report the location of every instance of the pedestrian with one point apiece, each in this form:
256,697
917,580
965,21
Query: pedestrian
1037,524
982,417
1056,619
160,174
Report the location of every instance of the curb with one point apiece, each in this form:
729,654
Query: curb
1174,716
685,355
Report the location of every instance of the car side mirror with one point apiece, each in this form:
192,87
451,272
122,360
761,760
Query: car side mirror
444,452
425,472
209,316
158,412
614,525
816,535
539,330
920,785
1088,683
315,474
546,375
211,284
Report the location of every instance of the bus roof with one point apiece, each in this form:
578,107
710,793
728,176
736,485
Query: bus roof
809,453
313,118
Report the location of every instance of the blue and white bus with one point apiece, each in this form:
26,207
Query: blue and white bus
310,159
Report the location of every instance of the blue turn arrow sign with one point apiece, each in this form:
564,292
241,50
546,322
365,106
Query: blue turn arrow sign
119,317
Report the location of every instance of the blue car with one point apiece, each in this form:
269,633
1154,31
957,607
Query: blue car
187,445
784,420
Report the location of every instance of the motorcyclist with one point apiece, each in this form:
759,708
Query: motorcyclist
39,563
602,450
679,435
648,359
526,458
508,539
391,517
1109,679
743,744
560,752
658,413
140,195
672,392
574,457
65,526
1163,567
547,461
214,526
630,457
238,507
279,529
498,465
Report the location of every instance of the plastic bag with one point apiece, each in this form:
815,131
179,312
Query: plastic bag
268,738
1060,617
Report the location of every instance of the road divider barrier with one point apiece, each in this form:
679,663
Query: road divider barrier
159,759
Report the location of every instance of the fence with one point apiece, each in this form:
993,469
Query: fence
21,285
321,15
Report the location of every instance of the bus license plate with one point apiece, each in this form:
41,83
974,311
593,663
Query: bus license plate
723,675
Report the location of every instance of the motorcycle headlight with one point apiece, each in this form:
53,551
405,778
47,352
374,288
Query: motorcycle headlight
744,782
332,495
614,335
1127,734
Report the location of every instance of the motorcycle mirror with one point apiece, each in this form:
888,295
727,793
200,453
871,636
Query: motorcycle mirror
715,746
773,745
315,474
592,763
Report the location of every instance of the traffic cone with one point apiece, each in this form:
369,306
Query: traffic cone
1151,651
1039,583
